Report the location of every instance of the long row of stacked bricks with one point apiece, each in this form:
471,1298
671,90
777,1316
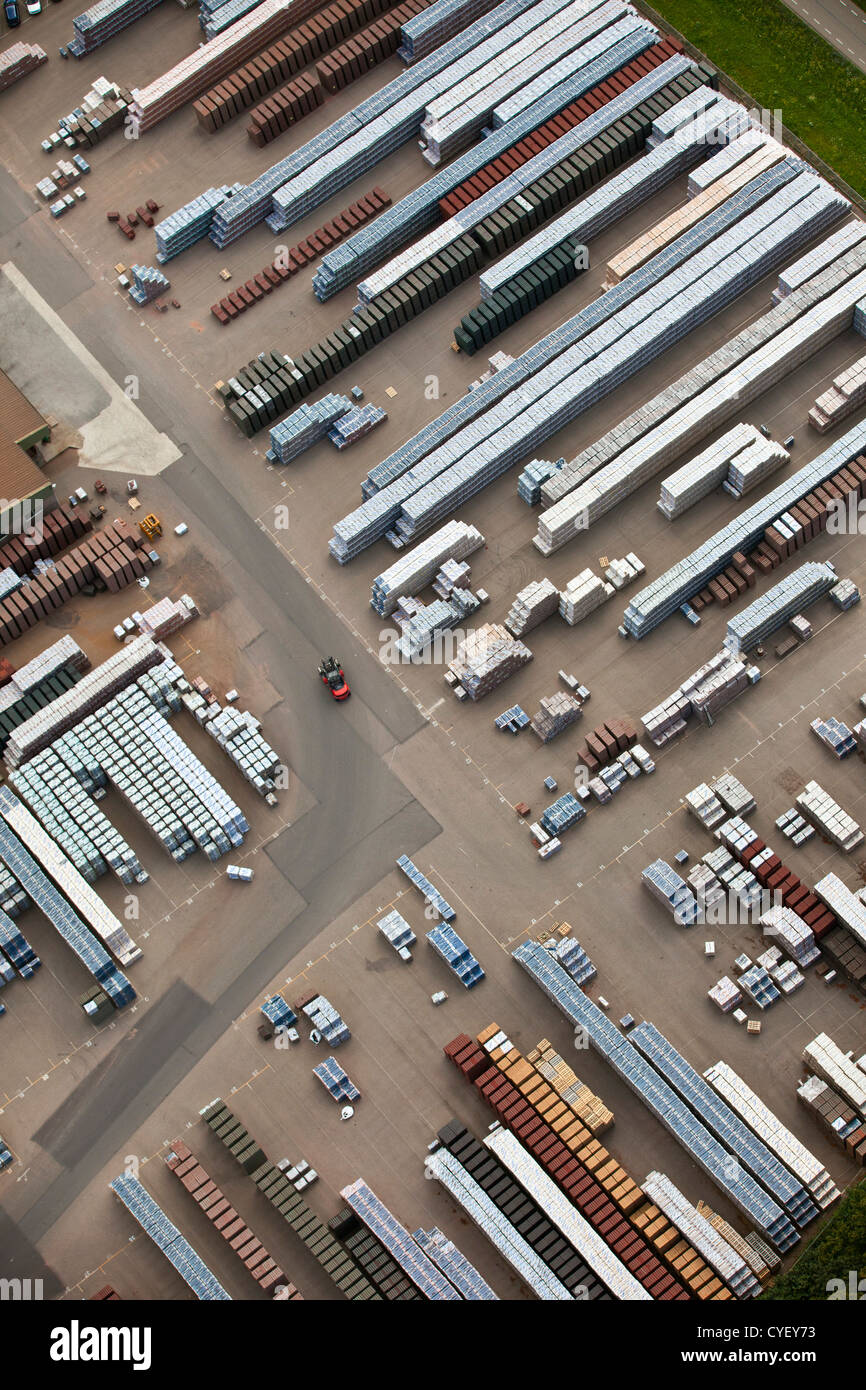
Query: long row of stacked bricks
810,515
115,557
302,46
567,119
604,1193
270,1181
834,938
219,1210
293,260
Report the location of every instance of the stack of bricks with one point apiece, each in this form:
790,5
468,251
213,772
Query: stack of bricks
288,56
373,45
539,139
602,1191
114,557
836,1116
284,108
789,533
60,527
586,1105
282,269
218,1209
606,742
17,61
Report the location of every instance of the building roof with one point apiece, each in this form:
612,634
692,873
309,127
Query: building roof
18,418
20,477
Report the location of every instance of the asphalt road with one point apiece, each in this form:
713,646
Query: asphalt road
840,22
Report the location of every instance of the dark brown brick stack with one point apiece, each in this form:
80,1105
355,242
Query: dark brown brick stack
372,46
310,249
606,742
60,527
284,108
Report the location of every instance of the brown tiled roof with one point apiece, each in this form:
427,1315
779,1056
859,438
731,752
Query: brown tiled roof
19,475
18,418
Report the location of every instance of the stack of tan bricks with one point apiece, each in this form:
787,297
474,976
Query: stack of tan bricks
310,249
586,1105
265,1270
272,67
671,1250
811,513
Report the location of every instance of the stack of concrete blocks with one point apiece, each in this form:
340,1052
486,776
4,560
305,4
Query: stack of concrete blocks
706,471
454,574
845,594
705,806
622,572
829,1062
792,933
725,994
421,622
238,734
703,694
166,617
415,570
534,474
847,392
17,61
794,826
835,735
485,658
735,798
847,906
148,283
673,892
753,465
531,606
708,890
582,595
555,714
828,817
806,267
769,611
305,426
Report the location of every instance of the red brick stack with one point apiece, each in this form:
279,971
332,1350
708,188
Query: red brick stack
284,108
606,742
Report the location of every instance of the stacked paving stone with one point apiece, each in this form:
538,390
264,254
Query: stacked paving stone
794,827
487,657
835,735
792,932
582,595
531,606
421,622
671,891
828,817
624,571
356,423
148,284
845,594
534,474
706,471
752,466
454,574
309,423
769,611
17,61
705,806
555,713
102,21
735,798
703,694
415,570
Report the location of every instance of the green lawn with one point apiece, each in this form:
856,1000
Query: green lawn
784,64
839,1248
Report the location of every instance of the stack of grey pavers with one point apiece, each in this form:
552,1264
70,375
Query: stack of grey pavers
191,222
828,817
429,30
555,713
669,591
671,891
582,595
753,465
13,899
453,574
827,1059
536,472
102,21
324,1017
439,445
703,693
768,612
485,658
845,594
737,880
701,400
705,806
735,798
794,826
620,194
847,906
619,573
420,622
708,891
531,606
797,938
859,324
726,159
238,734
846,392
626,766
148,283
701,1236
706,471
418,212
415,570
309,423
377,127
816,260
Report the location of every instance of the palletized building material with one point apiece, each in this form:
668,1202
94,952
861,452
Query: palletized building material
415,570
167,1238
822,255
453,1264
396,931
448,1171
486,657
356,423
770,610
101,921
566,1218
424,886
735,798
703,473
190,223
576,1094
336,1081
148,283
828,817
787,1147
539,600
847,906
724,994
794,934
847,392
753,465
709,1243
425,32
536,472
582,595
703,694
102,21
17,61
326,1020
730,1129
562,814
657,1095
555,713
826,1058
311,421
456,954
729,157
397,1241
758,1255
166,616
16,948
673,892
62,917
